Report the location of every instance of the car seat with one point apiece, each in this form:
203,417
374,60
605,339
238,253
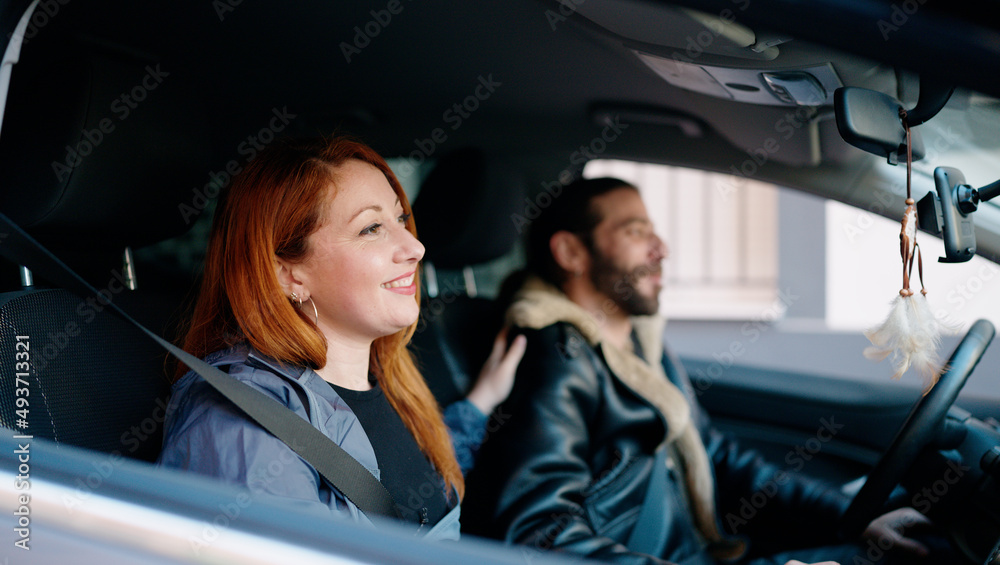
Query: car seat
463,214
94,381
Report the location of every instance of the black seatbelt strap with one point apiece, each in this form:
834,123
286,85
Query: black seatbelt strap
337,466
650,532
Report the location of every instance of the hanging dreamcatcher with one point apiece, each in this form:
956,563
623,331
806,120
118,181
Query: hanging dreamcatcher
911,334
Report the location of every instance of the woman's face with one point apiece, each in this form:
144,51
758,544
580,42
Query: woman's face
361,265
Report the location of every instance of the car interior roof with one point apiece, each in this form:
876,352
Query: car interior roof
559,67
250,57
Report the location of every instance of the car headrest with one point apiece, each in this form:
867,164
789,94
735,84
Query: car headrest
99,150
466,208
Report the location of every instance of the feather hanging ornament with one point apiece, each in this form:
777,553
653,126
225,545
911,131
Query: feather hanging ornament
911,334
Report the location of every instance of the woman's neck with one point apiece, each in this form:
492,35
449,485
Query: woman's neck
346,364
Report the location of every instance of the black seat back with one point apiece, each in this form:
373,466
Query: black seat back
87,185
89,379
463,213
452,341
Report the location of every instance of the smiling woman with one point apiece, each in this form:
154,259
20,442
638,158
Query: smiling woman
323,223
365,231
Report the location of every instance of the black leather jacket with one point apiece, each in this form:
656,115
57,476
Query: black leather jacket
568,462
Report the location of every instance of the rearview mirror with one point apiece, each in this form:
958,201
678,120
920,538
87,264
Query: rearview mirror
869,120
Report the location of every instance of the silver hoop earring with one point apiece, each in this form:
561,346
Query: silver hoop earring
315,311
298,302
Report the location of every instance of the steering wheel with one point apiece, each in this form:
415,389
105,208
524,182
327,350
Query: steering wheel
917,432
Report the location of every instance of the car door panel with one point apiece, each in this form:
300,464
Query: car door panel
821,426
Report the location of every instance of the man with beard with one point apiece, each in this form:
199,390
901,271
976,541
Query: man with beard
603,450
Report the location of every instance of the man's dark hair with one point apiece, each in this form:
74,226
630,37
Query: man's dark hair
572,211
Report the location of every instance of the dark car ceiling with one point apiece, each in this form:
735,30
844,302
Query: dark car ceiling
241,60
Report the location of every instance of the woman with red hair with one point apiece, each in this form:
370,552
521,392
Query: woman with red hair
310,294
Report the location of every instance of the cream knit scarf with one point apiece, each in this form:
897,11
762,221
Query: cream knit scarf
538,305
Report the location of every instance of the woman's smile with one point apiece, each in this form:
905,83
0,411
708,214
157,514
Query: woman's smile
402,285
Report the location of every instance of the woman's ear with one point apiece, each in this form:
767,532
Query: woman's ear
287,274
569,252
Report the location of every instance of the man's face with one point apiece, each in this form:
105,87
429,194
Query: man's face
626,255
